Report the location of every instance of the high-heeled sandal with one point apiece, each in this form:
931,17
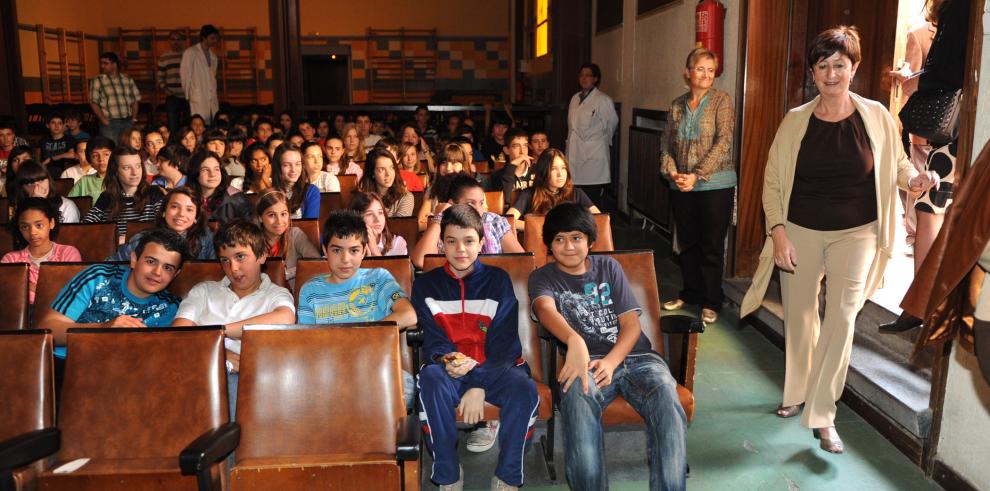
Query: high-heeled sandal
831,445
788,411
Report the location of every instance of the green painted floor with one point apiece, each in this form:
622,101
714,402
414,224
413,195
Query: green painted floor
735,441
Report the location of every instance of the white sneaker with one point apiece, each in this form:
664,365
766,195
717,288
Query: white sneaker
457,486
483,438
499,485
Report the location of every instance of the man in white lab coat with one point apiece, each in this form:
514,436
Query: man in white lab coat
198,71
591,122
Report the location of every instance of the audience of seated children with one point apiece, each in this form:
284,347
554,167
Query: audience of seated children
315,160
551,187
337,161
57,145
382,178
469,316
290,178
409,163
517,174
183,214
117,295
36,223
244,296
350,293
33,181
586,303
172,163
257,171
465,190
98,152
381,241
283,240
127,197
154,142
220,200
82,167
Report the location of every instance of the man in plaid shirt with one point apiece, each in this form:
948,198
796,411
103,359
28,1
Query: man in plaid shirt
113,97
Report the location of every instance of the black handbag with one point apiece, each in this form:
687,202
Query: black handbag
933,114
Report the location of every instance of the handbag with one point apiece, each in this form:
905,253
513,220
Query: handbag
933,114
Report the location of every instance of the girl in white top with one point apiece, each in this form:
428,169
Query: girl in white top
337,161
381,241
314,160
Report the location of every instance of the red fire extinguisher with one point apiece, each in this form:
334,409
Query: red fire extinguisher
709,20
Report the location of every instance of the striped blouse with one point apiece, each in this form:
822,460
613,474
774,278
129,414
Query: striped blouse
100,212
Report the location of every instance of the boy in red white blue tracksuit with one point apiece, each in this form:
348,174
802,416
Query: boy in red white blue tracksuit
475,316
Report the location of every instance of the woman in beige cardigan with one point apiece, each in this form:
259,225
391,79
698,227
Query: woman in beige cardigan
828,196
696,157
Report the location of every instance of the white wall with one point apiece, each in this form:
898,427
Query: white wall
642,62
964,442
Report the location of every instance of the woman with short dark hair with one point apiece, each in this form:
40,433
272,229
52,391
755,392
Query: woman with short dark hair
842,153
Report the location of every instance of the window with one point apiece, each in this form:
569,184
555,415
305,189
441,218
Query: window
542,27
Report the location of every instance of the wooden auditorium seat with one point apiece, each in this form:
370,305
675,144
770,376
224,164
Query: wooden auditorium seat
63,186
321,407
533,236
27,414
418,197
347,184
398,266
407,228
15,283
196,271
310,227
330,202
84,203
495,201
134,228
95,241
136,403
519,266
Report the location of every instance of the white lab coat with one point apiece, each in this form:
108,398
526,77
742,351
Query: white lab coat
199,81
591,125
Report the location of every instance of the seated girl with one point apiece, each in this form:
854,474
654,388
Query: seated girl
37,221
383,179
315,160
381,241
183,214
219,200
127,196
33,181
284,240
551,187
257,170
290,178
337,161
453,162
409,163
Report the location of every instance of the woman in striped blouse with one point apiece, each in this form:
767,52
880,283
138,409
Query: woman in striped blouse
127,196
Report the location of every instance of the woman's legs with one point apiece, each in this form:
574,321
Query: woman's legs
799,295
928,225
848,257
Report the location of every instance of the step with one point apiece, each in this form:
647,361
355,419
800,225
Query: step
880,369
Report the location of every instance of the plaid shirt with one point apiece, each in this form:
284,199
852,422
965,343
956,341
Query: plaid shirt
114,94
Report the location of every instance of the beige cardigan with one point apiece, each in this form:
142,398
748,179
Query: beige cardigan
892,169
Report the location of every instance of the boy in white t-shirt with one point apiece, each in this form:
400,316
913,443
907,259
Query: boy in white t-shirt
245,296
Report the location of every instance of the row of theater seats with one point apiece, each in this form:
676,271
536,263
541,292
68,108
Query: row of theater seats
319,407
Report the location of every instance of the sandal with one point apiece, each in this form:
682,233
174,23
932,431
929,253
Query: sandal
830,445
788,411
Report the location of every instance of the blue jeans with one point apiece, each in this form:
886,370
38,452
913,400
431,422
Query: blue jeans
115,128
646,383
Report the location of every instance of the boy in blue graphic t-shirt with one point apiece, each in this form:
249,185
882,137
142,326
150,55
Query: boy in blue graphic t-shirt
351,293
112,295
